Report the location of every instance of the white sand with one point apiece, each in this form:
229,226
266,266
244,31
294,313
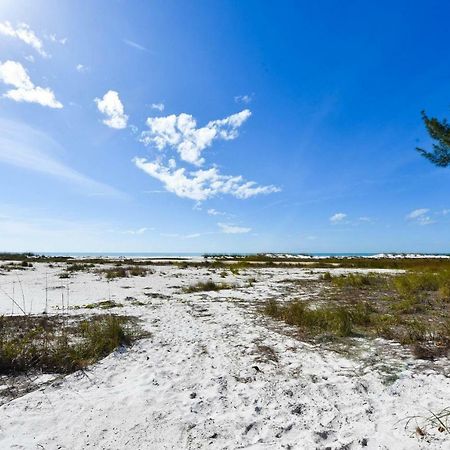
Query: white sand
205,378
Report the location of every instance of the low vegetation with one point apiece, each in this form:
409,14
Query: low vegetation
105,304
55,344
207,286
412,309
125,272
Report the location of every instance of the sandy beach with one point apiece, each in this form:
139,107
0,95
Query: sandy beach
214,373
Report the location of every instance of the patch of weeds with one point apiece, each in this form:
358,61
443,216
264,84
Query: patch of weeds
337,320
125,272
357,280
326,276
210,285
137,271
437,420
105,304
79,267
413,283
118,272
235,268
52,344
409,304
444,293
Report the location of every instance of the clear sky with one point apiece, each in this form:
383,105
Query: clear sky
222,125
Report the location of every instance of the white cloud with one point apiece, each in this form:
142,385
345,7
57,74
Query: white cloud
420,216
338,217
24,33
181,236
246,99
158,106
233,229
214,212
181,133
54,38
135,45
14,74
417,213
82,68
201,184
138,231
27,148
111,106
445,212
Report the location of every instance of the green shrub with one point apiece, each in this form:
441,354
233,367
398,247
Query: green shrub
337,320
356,280
207,286
413,283
53,345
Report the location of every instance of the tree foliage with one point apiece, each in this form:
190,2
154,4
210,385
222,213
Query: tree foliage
440,132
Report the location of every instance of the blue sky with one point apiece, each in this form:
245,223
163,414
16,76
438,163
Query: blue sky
222,126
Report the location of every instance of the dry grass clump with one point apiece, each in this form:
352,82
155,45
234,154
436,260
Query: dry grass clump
209,285
105,304
50,345
78,267
335,320
125,272
436,420
356,280
7,267
412,309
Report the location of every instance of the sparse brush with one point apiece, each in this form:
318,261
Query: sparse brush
123,272
51,345
413,283
409,304
335,320
79,267
437,420
207,286
326,276
105,304
356,280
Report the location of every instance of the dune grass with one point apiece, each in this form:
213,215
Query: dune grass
411,308
209,285
52,344
124,272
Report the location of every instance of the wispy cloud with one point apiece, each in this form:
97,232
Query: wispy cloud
24,33
135,45
214,212
245,99
158,106
137,231
56,39
111,106
420,216
233,229
338,218
14,74
181,236
81,68
30,149
181,133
